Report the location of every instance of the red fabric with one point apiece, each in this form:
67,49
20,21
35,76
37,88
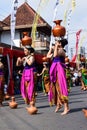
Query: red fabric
77,39
12,53
38,58
73,64
74,58
17,53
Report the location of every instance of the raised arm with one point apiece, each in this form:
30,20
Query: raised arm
50,53
29,60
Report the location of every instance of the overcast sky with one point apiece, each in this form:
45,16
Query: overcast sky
78,18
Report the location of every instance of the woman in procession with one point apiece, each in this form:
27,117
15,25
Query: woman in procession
83,71
28,77
58,76
45,78
68,76
2,80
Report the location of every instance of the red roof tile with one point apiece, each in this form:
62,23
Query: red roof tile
24,16
2,24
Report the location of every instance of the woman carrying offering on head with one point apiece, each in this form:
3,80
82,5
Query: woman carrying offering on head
58,76
27,80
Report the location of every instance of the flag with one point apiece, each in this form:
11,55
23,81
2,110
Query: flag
54,17
73,4
73,58
57,2
42,3
77,38
77,41
55,9
66,12
68,22
65,16
61,1
13,19
69,17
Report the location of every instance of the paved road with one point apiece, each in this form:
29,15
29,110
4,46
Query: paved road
46,118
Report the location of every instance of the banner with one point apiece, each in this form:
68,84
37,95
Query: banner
73,4
77,39
66,12
13,20
54,16
77,42
61,1
68,22
42,3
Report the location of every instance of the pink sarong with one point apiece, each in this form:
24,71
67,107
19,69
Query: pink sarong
28,75
57,68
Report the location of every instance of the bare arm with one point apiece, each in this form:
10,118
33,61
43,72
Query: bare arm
56,50
59,51
19,61
50,53
30,60
1,65
41,72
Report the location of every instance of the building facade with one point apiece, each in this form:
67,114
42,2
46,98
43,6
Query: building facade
24,22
